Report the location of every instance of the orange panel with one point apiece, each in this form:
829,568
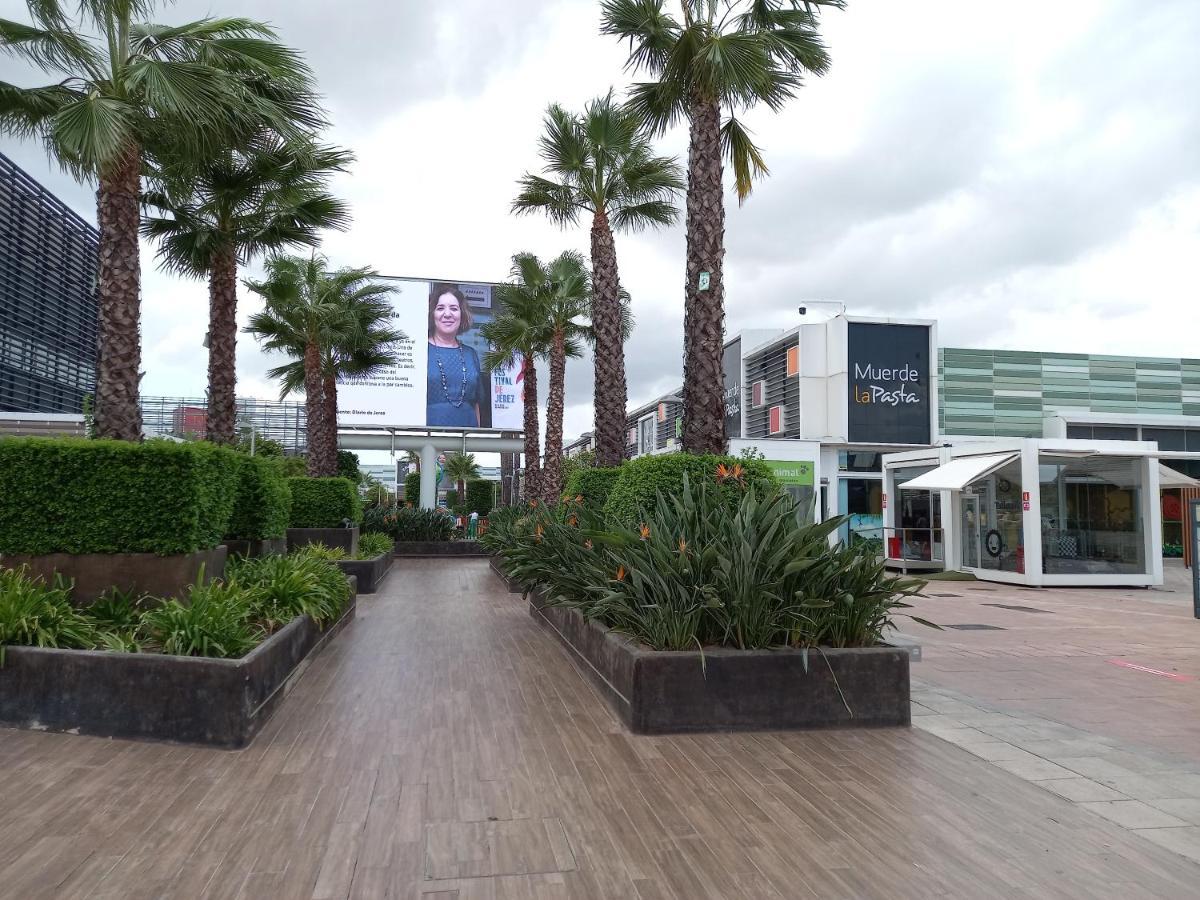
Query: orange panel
793,361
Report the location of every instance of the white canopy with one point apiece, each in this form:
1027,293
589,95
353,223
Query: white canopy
1170,478
958,473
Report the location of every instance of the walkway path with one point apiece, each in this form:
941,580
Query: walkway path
445,747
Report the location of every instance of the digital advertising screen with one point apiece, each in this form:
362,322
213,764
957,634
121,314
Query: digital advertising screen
439,380
889,396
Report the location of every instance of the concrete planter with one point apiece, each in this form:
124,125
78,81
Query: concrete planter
346,538
369,572
665,692
253,548
440,548
148,696
144,573
511,585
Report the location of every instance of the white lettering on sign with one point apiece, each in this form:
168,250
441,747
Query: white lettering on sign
874,393
869,372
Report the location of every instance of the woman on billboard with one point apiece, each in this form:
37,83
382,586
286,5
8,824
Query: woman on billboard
455,383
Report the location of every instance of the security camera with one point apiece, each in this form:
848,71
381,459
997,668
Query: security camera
803,310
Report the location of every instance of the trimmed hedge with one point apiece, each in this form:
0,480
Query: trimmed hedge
323,502
481,496
641,480
263,505
412,487
594,485
73,495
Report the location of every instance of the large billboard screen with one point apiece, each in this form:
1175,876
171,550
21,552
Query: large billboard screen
888,384
439,380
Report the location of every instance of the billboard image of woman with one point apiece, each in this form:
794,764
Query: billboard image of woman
455,388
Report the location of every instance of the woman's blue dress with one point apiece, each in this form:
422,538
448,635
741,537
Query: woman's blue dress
439,408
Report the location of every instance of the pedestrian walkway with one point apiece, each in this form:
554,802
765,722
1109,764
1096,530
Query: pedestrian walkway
443,746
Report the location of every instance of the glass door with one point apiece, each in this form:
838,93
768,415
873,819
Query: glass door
970,531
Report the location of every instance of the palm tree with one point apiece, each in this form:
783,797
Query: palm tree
600,164
234,206
120,86
717,59
460,467
331,324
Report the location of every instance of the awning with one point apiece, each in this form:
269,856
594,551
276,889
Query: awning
958,473
1170,478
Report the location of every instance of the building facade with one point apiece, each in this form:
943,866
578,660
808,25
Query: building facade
48,299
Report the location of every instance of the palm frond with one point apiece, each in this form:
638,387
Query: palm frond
51,49
651,32
744,155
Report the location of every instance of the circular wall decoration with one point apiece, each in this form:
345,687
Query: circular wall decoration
1005,485
993,543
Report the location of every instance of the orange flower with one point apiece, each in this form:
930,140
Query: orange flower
572,519
682,546
644,531
722,471
579,498
537,534
620,573
533,503
587,544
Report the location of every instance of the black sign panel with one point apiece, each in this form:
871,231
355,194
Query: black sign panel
732,364
888,396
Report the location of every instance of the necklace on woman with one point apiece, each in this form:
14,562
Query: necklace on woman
462,394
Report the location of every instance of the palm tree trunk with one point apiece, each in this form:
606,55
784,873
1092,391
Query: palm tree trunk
117,375
506,473
222,347
329,389
533,468
610,389
704,310
314,407
552,476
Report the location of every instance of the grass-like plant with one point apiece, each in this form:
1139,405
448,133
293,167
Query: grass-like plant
413,524
324,551
117,617
216,621
282,588
373,544
34,614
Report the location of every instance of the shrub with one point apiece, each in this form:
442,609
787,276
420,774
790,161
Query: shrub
263,503
347,466
640,481
117,619
376,519
452,499
33,614
593,485
66,495
481,496
323,502
422,525
216,621
321,551
294,466
280,588
412,487
374,544
702,571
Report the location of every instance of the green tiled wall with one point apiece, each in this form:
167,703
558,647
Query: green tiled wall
1006,393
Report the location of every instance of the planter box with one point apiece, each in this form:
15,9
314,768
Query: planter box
369,572
252,548
665,692
440,548
513,587
145,573
183,699
346,538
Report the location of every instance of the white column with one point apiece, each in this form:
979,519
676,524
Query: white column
428,477
1031,519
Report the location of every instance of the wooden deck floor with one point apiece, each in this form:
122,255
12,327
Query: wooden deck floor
443,746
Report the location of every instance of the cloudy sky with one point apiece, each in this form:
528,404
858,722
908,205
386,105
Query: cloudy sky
1030,180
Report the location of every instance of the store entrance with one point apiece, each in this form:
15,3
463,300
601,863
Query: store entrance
970,531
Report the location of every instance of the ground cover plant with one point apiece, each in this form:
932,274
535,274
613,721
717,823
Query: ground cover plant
374,544
701,568
405,524
225,618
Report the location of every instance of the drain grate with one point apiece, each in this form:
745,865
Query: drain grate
1032,609
976,627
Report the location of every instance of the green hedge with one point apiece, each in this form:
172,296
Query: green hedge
412,487
481,496
64,495
263,505
323,502
594,485
641,480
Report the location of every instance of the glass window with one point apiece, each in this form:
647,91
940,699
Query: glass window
861,500
859,461
1079,432
918,533
646,435
1092,515
1193,439
1115,433
1168,438
992,520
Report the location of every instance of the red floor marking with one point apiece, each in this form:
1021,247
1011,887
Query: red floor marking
1128,665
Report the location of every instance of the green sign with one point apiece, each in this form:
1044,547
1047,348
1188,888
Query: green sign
792,471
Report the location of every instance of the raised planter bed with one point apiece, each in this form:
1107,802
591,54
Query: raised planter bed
346,538
252,548
184,699
440,548
369,572
665,692
145,573
512,586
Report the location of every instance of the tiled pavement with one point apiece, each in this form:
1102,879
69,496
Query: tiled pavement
1052,698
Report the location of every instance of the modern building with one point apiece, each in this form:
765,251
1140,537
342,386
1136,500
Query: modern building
187,417
48,299
1094,456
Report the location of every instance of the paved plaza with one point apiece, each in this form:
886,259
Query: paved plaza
444,746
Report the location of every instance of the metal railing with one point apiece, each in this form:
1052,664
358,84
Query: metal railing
914,545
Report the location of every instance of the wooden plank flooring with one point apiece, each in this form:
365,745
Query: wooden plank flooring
445,747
